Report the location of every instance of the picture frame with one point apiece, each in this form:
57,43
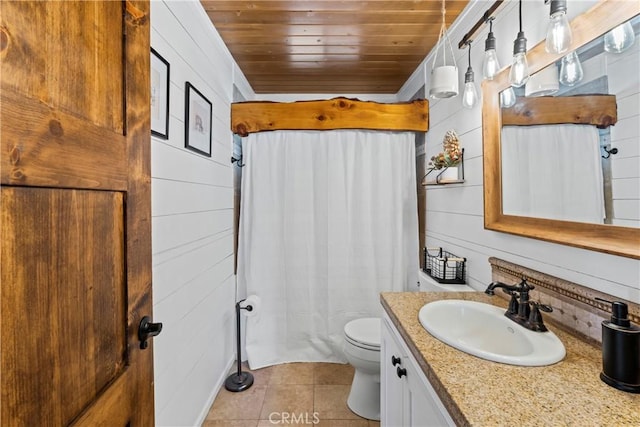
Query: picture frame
197,123
160,73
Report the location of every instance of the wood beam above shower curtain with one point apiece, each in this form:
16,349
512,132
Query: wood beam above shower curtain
331,114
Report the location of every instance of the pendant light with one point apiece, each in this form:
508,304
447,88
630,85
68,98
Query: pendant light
519,73
619,39
490,66
571,70
444,77
470,93
559,35
507,98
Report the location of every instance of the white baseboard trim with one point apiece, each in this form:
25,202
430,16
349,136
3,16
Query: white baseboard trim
216,390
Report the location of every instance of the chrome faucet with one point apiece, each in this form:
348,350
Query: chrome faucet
520,306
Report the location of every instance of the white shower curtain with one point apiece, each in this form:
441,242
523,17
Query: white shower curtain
328,221
553,172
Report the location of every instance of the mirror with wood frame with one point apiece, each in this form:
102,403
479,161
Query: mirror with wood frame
617,238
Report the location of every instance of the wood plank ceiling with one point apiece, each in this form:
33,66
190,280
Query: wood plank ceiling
329,46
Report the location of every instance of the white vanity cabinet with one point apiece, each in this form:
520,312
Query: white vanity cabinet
407,398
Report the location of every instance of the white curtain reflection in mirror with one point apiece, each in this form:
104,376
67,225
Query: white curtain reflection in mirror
553,172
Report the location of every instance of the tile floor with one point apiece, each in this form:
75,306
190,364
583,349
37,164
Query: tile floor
313,394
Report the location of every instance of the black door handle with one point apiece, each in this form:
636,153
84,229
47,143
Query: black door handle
395,360
401,372
146,330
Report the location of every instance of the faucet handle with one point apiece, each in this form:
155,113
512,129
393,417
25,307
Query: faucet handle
534,322
513,303
544,307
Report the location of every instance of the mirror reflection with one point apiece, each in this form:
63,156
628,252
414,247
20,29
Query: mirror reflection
570,139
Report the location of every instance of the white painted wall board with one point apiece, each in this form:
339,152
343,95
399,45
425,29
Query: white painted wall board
628,188
192,220
624,167
462,199
183,267
179,164
627,209
176,230
627,147
187,197
628,106
181,310
187,403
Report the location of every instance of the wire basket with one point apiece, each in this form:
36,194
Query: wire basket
444,267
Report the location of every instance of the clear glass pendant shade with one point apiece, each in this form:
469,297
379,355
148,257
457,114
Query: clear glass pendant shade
571,70
519,73
619,39
558,33
470,95
490,67
507,98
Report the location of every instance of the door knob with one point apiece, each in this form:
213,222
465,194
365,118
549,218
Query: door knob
146,330
395,360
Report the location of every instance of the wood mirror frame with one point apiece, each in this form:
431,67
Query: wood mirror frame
624,241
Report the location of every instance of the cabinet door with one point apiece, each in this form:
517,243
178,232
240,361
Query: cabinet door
392,387
408,400
422,406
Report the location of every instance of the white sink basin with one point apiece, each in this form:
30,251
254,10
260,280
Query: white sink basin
483,331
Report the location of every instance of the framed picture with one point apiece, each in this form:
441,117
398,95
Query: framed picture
159,96
197,123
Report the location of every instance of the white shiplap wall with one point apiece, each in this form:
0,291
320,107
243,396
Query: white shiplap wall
455,212
192,228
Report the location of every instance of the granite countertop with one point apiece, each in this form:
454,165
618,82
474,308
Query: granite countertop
482,393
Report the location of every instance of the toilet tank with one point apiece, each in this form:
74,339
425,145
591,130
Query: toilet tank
428,284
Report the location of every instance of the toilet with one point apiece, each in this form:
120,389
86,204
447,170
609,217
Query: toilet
362,349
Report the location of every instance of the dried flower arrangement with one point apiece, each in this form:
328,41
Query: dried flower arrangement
452,152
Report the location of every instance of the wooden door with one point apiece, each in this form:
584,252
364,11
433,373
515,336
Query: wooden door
75,214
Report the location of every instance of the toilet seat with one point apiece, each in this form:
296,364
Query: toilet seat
364,333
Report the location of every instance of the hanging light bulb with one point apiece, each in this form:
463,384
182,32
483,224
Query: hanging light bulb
619,39
571,70
559,31
470,94
444,77
507,98
490,66
519,73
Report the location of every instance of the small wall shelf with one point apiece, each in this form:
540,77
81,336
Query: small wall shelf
440,179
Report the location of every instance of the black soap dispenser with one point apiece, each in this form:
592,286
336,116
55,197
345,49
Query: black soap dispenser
620,350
